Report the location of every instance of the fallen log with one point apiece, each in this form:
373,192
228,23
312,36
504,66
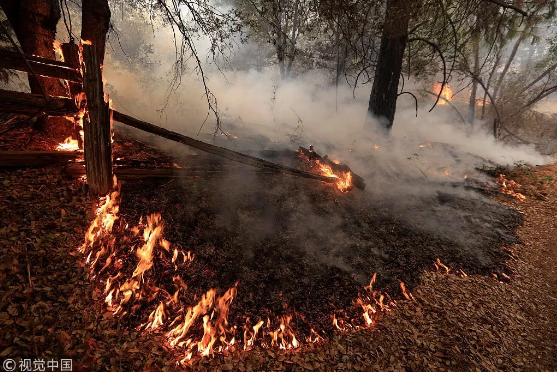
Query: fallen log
31,104
75,170
41,66
36,158
216,150
338,169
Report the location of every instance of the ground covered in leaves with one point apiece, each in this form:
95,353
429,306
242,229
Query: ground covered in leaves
300,243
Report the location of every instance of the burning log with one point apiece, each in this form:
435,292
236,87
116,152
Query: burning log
42,66
29,104
338,169
96,126
216,150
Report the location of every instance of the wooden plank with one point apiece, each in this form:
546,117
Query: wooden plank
36,158
42,66
96,126
216,150
29,104
129,173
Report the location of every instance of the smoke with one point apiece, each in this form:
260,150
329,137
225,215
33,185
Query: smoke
412,177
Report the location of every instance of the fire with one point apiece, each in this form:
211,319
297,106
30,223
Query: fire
57,47
509,187
197,325
447,92
69,144
344,183
406,294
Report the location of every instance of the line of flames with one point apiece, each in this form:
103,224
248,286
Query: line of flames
128,291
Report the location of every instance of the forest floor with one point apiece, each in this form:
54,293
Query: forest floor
51,307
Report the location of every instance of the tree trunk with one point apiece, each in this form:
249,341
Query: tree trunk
384,93
34,23
510,60
95,24
488,85
472,103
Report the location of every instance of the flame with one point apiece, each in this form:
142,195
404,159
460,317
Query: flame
439,265
57,47
343,184
509,187
447,92
198,327
406,294
69,144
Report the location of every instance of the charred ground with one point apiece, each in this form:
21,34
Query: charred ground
301,247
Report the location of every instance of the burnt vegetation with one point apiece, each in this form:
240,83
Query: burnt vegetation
272,213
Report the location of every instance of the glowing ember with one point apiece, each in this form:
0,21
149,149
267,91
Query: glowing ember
509,187
447,93
69,144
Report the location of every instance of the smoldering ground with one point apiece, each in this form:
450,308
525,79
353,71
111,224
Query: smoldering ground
301,246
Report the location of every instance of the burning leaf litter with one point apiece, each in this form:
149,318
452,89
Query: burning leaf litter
130,292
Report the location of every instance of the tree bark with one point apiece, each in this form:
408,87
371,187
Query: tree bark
384,93
472,102
96,126
95,24
34,23
510,60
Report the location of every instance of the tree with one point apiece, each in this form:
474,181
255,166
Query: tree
384,93
34,23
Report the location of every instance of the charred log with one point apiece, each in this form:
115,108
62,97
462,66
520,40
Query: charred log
42,66
216,150
33,104
338,169
19,159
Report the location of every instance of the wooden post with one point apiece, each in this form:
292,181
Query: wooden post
70,51
96,126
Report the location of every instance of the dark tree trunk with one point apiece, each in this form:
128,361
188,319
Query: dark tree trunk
95,24
34,23
384,93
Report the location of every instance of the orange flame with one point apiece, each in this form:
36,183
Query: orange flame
69,144
447,92
509,187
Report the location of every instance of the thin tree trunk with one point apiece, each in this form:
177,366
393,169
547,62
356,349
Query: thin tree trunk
384,93
95,24
510,60
472,103
488,85
294,36
34,23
